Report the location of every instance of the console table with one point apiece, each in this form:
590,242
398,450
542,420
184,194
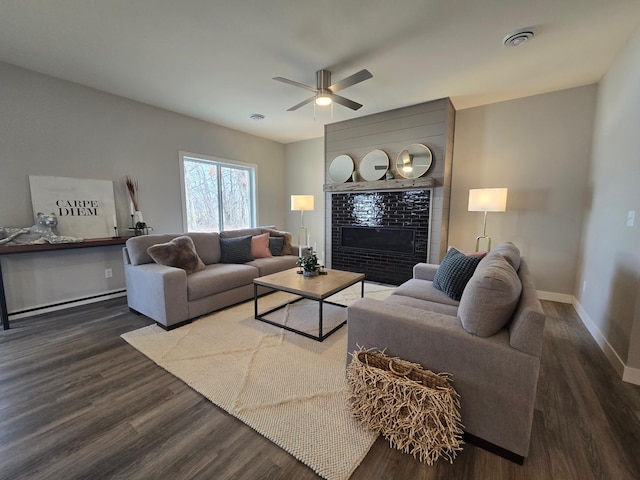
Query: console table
13,249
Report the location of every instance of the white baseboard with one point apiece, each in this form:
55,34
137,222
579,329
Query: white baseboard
626,373
631,375
37,310
555,297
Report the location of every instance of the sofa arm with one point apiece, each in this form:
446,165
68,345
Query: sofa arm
158,291
497,383
425,271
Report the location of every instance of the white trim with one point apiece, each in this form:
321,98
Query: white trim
39,309
631,375
627,374
555,297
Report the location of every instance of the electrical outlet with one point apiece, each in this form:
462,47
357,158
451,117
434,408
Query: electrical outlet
631,216
108,273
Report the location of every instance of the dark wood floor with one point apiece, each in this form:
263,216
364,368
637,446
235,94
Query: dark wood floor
77,402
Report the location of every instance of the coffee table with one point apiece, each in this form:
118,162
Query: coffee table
314,288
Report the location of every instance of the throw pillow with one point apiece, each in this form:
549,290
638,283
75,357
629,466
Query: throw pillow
481,254
275,245
260,246
510,252
287,248
491,297
454,272
235,249
179,252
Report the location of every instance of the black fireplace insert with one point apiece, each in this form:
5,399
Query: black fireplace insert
379,239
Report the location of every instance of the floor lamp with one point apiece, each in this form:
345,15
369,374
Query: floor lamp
302,203
487,200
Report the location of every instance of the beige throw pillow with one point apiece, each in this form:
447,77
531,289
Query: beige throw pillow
179,252
287,248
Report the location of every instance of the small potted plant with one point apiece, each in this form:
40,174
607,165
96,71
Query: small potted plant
309,263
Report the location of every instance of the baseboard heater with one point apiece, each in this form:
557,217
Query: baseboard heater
52,307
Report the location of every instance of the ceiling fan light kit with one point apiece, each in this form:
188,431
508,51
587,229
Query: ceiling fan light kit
325,92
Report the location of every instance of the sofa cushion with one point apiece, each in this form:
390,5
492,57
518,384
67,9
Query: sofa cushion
454,272
235,249
179,252
260,246
275,245
218,278
423,305
207,245
267,266
423,290
510,252
491,296
242,232
287,246
137,246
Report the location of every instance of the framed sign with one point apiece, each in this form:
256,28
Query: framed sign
85,208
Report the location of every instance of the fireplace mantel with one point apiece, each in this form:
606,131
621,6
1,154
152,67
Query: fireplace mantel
396,184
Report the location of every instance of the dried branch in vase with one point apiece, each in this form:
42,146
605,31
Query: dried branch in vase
132,187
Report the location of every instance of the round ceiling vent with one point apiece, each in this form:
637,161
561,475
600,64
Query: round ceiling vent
256,116
518,37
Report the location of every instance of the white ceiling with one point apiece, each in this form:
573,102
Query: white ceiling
215,59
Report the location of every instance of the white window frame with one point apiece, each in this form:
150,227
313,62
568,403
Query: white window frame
253,175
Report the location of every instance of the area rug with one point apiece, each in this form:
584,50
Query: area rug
287,387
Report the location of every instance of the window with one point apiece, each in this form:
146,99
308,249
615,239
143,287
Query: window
217,194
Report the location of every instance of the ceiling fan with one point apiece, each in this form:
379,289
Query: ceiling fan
325,93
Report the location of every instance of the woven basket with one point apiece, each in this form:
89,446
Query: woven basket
416,410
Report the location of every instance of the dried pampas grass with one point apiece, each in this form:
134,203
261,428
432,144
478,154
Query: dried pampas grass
416,410
132,188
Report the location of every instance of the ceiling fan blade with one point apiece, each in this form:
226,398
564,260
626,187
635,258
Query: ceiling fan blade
345,101
358,77
304,102
295,84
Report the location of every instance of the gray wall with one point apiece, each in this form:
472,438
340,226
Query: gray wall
54,127
608,287
539,147
303,175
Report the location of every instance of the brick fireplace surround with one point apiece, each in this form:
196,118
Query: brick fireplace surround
391,211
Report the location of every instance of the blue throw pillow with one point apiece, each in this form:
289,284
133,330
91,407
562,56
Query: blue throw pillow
454,272
235,250
275,246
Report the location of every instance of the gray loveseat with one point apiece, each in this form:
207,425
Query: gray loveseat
171,297
496,374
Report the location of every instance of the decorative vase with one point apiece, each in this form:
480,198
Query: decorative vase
137,217
310,273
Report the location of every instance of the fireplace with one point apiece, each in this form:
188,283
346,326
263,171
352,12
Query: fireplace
378,239
381,234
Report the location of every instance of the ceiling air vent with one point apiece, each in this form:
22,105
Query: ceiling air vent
518,37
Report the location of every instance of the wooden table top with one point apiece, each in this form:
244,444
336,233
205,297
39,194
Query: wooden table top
318,288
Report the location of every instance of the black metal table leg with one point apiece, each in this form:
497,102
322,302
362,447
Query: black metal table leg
3,303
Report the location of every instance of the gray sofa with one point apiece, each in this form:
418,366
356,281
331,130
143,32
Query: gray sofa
172,298
496,374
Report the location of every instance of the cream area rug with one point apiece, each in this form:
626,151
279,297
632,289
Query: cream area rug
287,387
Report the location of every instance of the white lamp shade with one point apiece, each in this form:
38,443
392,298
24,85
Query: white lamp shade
488,199
302,202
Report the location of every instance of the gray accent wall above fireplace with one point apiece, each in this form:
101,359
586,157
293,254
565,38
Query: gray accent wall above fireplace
432,124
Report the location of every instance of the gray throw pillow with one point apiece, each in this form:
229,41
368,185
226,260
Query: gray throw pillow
491,296
275,245
454,272
235,249
510,252
179,252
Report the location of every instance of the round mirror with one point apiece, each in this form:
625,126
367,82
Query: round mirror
374,165
341,168
414,161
